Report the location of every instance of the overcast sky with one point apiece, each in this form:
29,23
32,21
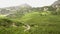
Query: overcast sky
33,3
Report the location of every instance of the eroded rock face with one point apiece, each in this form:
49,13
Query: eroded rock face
21,9
56,4
58,0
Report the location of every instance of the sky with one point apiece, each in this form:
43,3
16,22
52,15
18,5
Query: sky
33,3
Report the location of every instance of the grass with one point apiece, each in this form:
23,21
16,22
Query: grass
40,24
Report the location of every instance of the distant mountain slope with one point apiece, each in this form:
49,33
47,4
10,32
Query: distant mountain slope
14,9
25,8
56,4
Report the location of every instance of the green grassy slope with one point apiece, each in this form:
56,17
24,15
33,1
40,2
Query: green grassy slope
39,24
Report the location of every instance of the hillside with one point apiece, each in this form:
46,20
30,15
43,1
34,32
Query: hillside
14,9
25,19
56,4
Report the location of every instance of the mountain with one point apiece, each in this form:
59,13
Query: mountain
25,8
14,9
56,4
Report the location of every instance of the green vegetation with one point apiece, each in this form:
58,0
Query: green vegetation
34,22
39,22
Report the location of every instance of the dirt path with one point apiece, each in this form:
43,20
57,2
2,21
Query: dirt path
27,27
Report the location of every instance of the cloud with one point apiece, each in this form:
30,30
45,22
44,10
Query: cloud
34,3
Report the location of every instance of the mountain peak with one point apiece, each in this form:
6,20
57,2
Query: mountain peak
25,5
